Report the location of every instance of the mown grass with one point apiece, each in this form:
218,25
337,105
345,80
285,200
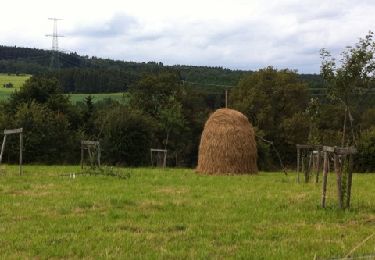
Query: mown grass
18,81
175,213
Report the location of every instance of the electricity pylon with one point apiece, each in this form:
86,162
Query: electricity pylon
55,61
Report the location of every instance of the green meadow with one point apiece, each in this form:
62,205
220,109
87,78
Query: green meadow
178,214
18,81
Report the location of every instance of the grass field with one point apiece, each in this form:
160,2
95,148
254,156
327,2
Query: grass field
121,97
18,81
175,213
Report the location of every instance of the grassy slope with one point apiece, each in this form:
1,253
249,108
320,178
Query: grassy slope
19,80
178,214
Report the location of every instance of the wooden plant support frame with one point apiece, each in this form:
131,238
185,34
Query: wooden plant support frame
158,151
93,150
340,155
315,154
10,132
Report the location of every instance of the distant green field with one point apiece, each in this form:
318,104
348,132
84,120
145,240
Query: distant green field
178,214
121,97
18,81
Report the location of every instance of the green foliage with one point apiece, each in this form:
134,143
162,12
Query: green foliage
368,118
43,91
126,136
154,92
273,100
365,159
350,81
313,112
354,75
47,135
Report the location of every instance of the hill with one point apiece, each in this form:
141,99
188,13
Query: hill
84,74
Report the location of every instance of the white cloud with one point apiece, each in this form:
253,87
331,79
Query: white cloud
243,34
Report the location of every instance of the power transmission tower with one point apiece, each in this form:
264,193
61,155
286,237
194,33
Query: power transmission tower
55,61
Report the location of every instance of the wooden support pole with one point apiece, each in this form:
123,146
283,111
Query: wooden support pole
99,154
338,170
82,155
325,174
303,162
349,181
3,148
21,149
226,98
90,156
309,167
317,167
165,159
298,161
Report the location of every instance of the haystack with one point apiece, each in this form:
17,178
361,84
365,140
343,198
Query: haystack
227,144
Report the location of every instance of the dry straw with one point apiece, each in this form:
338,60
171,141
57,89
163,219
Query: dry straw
227,144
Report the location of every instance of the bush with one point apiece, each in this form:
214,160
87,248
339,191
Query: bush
126,136
47,138
365,159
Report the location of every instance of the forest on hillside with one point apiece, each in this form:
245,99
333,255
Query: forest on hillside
83,74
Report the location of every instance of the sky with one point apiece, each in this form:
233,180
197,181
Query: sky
235,34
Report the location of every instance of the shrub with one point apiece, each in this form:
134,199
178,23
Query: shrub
365,159
126,136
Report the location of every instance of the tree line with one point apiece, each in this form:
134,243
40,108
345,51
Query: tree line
84,74
165,112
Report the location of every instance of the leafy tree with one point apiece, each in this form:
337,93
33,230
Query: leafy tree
273,100
126,136
88,116
43,91
153,92
171,119
365,160
349,80
313,113
47,135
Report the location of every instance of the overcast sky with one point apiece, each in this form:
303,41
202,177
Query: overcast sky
237,34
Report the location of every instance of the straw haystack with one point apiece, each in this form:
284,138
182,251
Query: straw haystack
227,144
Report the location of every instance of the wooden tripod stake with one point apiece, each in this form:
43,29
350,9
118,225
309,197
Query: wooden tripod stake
304,152
10,132
344,185
93,150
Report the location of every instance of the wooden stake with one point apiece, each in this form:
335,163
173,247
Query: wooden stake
165,159
349,183
317,168
298,160
21,148
339,181
325,174
82,155
226,98
99,154
309,168
2,148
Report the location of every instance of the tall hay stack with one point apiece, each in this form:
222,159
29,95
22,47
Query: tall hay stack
227,144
